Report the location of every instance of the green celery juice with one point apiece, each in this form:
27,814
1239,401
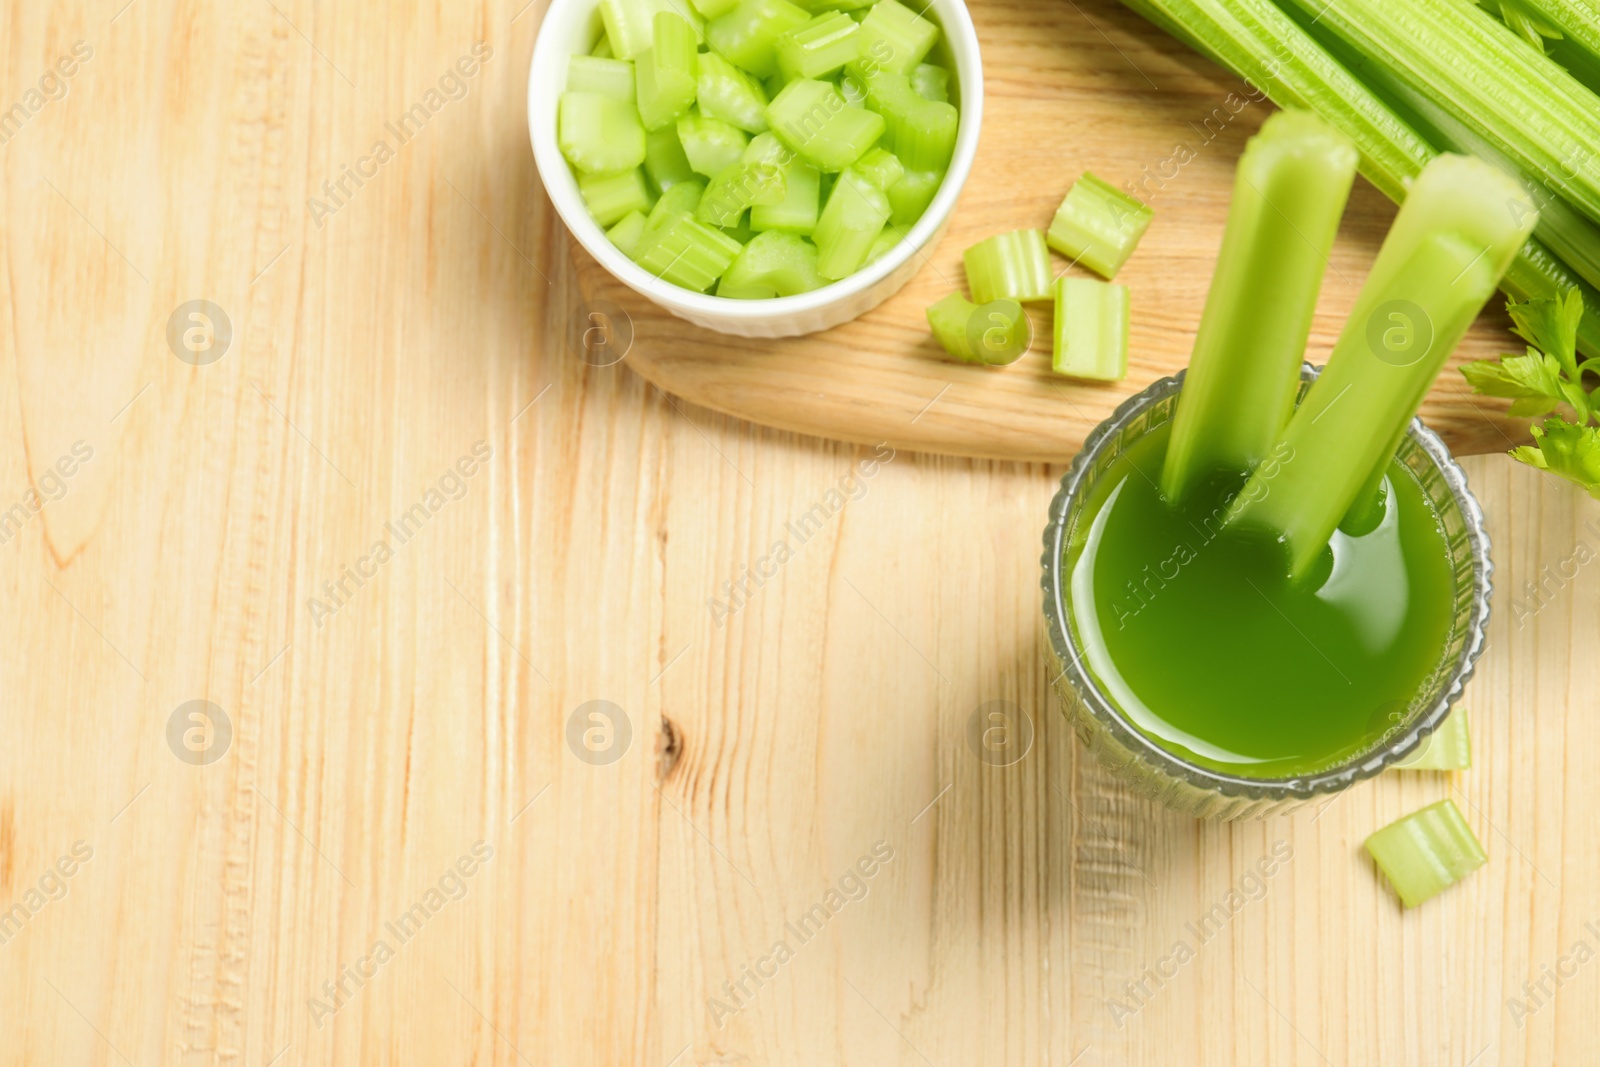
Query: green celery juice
1193,629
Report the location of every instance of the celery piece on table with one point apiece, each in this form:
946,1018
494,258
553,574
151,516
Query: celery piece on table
682,199
1288,194
1263,45
627,233
665,73
611,196
1098,225
813,119
710,145
772,264
686,252
797,212
1091,329
599,134
1013,265
921,132
820,47
664,161
851,221
910,196
896,37
931,82
1426,852
747,34
994,334
1449,748
737,188
593,74
880,167
725,92
1445,253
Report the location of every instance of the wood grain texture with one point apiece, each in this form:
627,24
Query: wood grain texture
770,748
1068,88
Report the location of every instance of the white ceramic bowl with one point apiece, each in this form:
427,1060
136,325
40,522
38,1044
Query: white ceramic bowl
572,26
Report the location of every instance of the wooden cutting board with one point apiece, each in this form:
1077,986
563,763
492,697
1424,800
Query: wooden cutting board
1070,86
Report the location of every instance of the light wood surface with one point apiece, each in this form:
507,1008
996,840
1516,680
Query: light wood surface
371,747
1067,90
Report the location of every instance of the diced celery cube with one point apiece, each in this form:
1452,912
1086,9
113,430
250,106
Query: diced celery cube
1427,852
681,199
608,77
895,37
797,212
1091,329
931,82
820,47
748,34
850,222
666,72
737,188
885,242
910,196
881,168
921,132
995,334
599,134
772,264
686,252
611,196
814,120
711,145
729,94
627,233
1098,225
664,160
1014,266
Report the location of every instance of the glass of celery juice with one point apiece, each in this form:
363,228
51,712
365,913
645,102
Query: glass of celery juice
1196,669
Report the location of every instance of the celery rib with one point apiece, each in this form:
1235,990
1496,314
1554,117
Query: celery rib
1014,266
1289,193
994,334
1426,852
1090,337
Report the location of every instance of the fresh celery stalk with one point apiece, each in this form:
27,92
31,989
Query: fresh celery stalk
627,233
664,160
1261,44
599,134
1449,748
1288,194
1098,225
1426,852
681,199
931,82
813,119
594,74
1091,329
729,94
736,188
880,167
666,72
710,145
1013,266
611,196
1479,71
850,222
993,334
1448,247
747,35
910,196
686,252
820,47
895,37
772,264
921,132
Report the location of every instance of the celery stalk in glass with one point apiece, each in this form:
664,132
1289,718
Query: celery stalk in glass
1450,243
1288,194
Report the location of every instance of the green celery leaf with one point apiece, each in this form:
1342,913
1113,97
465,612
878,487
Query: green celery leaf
1531,407
1530,375
1551,326
1564,449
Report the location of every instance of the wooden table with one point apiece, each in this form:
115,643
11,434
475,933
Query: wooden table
385,838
